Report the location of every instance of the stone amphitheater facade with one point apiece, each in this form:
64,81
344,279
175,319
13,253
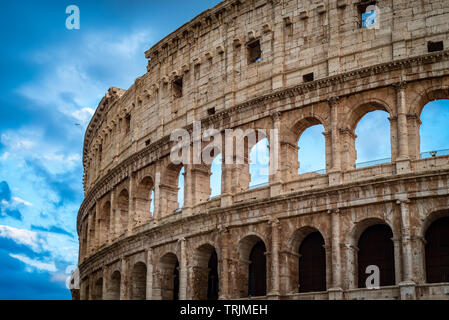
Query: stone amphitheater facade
288,65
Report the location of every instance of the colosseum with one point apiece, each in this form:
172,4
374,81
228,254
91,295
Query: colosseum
285,65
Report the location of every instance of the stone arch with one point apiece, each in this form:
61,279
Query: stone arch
123,208
143,200
169,188
205,273
166,283
307,260
115,285
429,94
363,107
139,281
353,237
347,135
97,291
436,258
252,280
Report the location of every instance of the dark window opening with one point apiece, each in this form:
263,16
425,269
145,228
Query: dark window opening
148,142
177,87
254,52
128,123
211,111
212,282
376,248
257,279
367,17
312,264
437,251
435,46
308,77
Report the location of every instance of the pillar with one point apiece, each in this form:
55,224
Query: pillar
183,270
149,289
334,103
274,257
124,279
224,263
131,201
105,283
275,173
111,234
336,252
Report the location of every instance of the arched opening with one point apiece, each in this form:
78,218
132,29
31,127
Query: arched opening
257,274
372,144
105,222
97,293
312,150
312,263
215,177
375,247
437,251
123,207
171,189
259,164
114,286
143,200
252,279
169,277
206,281
139,281
433,133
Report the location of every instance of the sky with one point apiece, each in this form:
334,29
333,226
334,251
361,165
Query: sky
51,80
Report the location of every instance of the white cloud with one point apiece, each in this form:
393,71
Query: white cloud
40,265
21,201
22,236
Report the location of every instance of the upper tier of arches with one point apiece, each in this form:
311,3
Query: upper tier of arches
204,69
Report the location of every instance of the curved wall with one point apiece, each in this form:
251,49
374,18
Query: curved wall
204,71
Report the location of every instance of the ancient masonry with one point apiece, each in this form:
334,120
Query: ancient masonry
264,64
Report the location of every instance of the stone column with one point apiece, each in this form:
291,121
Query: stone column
274,257
224,263
188,188
397,259
90,241
157,193
275,172
98,230
124,279
112,225
105,283
149,274
403,160
407,286
336,253
131,201
334,103
183,270
402,120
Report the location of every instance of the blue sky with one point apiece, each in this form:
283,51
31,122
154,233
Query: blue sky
52,78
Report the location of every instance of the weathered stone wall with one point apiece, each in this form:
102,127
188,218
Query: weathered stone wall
356,70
